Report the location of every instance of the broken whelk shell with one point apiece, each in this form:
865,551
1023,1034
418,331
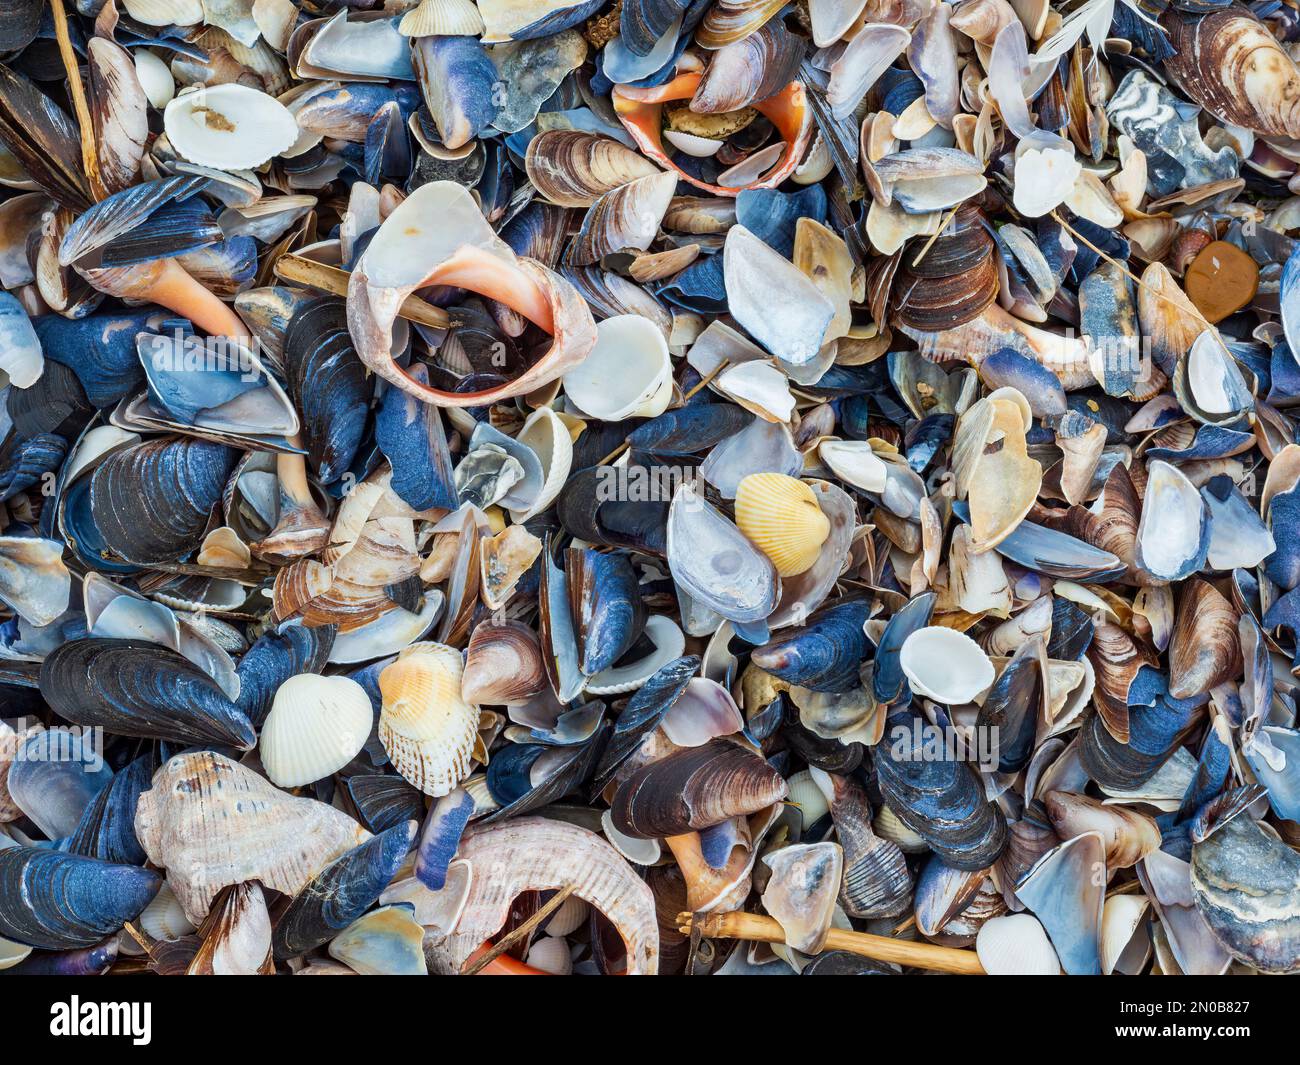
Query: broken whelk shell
212,823
639,109
438,236
229,127
535,854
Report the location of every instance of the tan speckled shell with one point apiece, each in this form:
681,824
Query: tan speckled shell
211,823
536,854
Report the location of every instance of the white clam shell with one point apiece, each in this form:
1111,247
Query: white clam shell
628,374
155,78
548,436
1121,917
690,144
669,644
855,462
945,665
316,726
1016,945
229,127
551,955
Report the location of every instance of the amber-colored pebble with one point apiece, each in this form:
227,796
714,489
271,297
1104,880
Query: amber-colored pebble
1221,280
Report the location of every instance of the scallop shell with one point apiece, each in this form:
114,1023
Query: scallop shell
442,18
211,823
229,127
316,726
426,726
780,514
1016,945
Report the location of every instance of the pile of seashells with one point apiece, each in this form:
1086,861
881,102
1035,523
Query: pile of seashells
649,486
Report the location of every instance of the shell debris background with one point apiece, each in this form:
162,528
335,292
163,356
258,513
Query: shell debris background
650,487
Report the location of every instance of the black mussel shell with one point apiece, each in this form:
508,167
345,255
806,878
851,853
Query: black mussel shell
134,688
328,384
695,788
342,891
62,901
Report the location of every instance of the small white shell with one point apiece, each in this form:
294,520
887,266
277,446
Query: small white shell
165,12
854,461
628,374
316,726
888,826
551,955
155,78
636,851
690,144
229,127
805,794
668,642
1121,916
164,918
571,916
548,436
1016,945
945,665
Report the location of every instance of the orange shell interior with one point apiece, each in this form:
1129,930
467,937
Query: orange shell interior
639,110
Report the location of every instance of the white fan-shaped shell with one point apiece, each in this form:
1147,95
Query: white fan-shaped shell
945,665
164,918
442,18
551,955
805,794
425,725
165,12
1016,945
316,726
229,127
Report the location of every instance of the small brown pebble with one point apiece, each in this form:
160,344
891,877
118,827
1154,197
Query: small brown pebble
1221,280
